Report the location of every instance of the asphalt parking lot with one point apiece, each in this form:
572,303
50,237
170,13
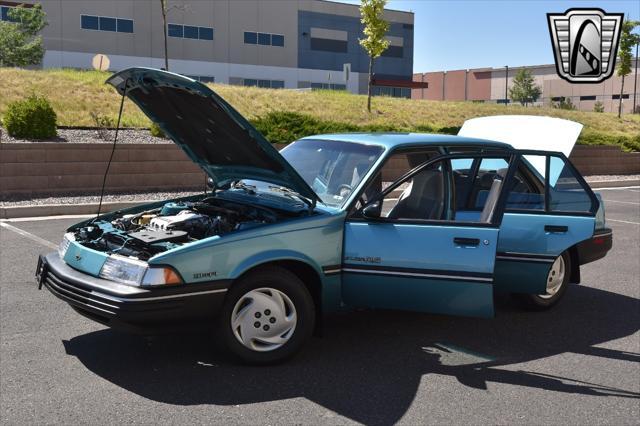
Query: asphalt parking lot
576,364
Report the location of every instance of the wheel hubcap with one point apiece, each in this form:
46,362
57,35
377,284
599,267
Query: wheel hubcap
555,278
264,319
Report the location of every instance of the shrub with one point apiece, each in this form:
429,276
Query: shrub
286,127
31,118
156,131
103,123
598,107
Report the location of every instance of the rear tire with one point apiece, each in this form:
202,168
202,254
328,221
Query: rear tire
267,316
557,284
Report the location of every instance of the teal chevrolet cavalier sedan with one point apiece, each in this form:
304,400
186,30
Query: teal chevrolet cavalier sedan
418,222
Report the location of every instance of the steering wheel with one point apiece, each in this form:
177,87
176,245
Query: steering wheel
344,186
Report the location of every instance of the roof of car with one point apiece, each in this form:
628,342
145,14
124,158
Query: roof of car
394,140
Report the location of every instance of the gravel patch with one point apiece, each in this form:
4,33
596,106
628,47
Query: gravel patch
92,136
95,197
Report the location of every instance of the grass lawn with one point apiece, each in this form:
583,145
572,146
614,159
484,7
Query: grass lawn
75,94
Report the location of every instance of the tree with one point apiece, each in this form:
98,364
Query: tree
375,29
524,89
165,11
627,41
20,44
598,107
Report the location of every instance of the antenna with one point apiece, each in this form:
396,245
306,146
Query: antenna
113,149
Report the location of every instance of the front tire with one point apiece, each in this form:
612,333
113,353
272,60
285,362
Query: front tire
557,283
267,316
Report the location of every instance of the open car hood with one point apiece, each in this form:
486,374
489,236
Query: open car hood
525,131
211,132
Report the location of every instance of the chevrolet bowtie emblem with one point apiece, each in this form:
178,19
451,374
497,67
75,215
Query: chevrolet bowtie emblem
585,43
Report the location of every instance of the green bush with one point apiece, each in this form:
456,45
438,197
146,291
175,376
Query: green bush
31,118
629,144
156,131
286,127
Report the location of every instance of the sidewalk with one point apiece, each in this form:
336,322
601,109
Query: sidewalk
88,204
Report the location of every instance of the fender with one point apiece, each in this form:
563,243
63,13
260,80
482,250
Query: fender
273,256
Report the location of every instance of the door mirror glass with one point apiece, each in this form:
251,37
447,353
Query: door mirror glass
211,184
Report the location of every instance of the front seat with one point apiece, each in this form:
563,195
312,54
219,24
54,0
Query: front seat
423,199
492,197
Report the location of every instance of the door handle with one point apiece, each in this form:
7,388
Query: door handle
558,229
466,241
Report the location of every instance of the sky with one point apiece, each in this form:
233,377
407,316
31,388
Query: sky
463,34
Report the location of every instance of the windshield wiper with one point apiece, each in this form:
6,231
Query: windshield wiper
293,194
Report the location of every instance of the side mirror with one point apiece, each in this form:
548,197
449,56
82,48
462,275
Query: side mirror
210,183
372,211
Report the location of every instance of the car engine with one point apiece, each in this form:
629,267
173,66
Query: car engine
142,235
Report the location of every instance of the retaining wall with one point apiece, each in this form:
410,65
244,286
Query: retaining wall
58,168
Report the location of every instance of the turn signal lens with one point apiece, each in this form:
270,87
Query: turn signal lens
161,276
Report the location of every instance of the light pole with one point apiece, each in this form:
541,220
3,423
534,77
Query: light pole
635,84
506,85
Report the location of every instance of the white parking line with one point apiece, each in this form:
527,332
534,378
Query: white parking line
616,189
29,235
39,218
623,221
621,202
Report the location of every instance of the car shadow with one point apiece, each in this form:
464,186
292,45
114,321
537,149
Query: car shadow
369,364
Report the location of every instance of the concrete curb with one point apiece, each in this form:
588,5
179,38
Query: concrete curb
65,209
89,208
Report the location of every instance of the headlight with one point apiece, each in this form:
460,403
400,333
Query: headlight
64,244
137,273
123,270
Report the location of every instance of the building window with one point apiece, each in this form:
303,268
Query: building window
108,24
105,23
394,92
190,31
328,45
89,22
588,98
175,30
264,39
205,33
617,97
125,25
503,101
277,40
202,78
328,86
250,38
393,52
267,84
556,99
4,13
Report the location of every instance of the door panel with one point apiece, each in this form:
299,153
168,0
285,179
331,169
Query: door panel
526,250
419,267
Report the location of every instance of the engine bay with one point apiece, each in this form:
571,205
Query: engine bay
145,234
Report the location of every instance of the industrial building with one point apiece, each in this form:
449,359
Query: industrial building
491,85
266,43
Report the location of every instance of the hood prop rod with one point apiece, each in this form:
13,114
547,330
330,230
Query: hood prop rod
113,149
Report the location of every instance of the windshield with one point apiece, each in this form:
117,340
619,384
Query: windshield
332,168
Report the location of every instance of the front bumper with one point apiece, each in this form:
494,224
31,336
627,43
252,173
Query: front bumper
596,247
131,308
